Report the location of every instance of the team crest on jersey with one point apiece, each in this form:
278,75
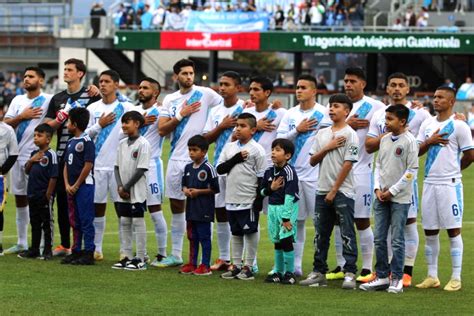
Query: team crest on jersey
399,151
354,150
79,147
202,175
135,154
44,161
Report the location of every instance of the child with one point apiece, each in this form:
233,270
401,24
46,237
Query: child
8,156
200,183
133,159
80,187
280,184
42,171
396,168
244,161
336,149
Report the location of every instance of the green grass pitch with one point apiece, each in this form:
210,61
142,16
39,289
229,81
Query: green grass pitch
45,288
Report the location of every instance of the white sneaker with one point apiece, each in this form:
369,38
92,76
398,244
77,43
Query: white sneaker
349,282
377,284
315,279
396,286
136,265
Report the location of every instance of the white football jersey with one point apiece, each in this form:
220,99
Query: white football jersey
150,132
190,125
26,129
442,164
303,141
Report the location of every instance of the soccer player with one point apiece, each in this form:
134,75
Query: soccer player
75,95
244,162
105,130
398,89
443,139
336,149
42,171
8,156
24,114
133,160
148,92
300,125
396,167
219,127
280,184
80,187
200,183
184,115
363,109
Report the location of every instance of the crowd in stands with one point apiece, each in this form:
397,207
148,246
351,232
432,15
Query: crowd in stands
288,15
11,85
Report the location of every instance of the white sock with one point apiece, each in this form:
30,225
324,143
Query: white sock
411,244
299,244
99,226
251,245
389,244
126,236
22,222
237,249
139,228
223,240
161,231
456,256
258,239
366,237
431,254
178,227
338,244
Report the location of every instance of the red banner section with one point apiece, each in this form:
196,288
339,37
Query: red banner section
209,41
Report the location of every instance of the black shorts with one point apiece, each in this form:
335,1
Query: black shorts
243,222
131,209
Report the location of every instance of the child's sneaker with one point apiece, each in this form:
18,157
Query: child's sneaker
406,280
220,265
232,273
70,258
453,285
396,286
349,282
336,274
86,259
29,254
273,278
429,282
136,265
15,250
98,256
377,284
246,274
188,268
170,261
157,260
315,279
289,279
122,264
61,251
202,270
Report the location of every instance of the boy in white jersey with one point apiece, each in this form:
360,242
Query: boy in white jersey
397,90
396,167
300,125
359,119
183,115
444,138
24,114
219,127
105,130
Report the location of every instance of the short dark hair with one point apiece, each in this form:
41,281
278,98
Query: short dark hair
38,70
341,98
397,75
183,63
251,119
112,74
45,128
285,144
264,81
199,141
134,116
400,111
233,75
153,81
79,117
309,78
356,71
80,66
447,88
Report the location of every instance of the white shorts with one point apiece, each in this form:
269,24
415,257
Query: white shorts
442,206
307,201
364,188
105,183
174,176
155,183
413,210
220,197
18,178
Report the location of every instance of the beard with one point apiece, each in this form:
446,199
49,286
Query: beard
144,99
31,87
